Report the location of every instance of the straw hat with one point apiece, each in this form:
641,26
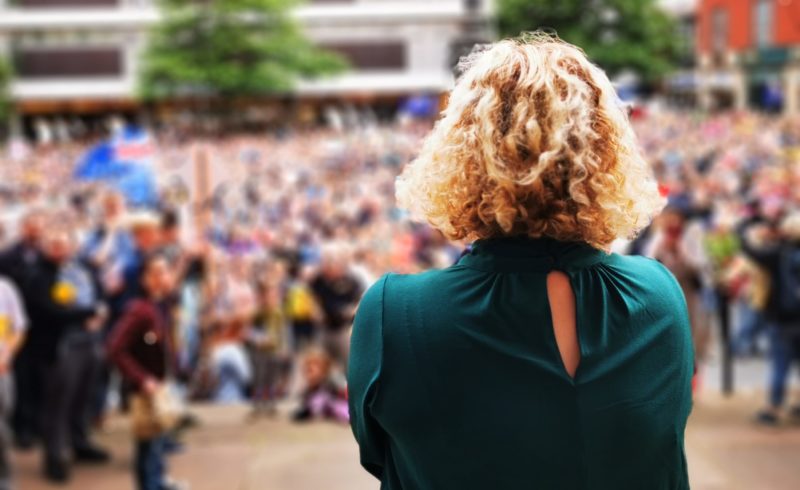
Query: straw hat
138,220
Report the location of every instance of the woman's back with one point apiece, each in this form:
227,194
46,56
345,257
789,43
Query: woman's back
456,379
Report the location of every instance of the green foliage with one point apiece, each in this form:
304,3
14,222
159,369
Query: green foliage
229,48
5,97
616,34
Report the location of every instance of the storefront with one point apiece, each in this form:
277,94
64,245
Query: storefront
722,90
766,83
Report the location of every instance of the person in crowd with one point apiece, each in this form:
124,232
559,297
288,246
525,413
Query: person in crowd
170,246
779,255
301,308
24,254
141,348
17,263
66,315
188,264
109,244
749,285
323,396
270,350
539,355
668,248
13,323
722,247
145,229
106,249
230,364
236,306
337,293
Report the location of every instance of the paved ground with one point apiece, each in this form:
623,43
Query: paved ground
228,452
725,452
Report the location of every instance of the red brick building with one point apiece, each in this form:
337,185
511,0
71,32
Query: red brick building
749,54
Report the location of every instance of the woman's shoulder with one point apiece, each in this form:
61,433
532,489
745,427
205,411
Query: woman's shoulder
642,266
653,280
393,287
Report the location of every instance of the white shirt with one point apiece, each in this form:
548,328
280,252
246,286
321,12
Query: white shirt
11,306
12,314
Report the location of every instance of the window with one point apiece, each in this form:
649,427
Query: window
68,62
762,18
66,3
687,33
719,30
473,5
372,56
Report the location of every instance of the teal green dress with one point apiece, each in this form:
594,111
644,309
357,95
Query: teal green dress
456,382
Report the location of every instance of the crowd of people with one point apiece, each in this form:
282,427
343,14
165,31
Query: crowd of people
248,293
244,295
731,234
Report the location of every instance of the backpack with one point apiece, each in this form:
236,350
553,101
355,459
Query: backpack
789,283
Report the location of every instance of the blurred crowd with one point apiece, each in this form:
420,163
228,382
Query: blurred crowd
239,289
241,286
731,235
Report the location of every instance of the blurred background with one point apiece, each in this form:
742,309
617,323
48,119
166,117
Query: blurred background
253,145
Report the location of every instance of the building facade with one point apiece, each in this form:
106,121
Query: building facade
749,54
681,85
78,56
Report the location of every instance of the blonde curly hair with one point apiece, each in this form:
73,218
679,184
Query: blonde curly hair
533,142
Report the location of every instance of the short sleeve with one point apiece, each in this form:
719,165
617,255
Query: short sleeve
363,376
13,303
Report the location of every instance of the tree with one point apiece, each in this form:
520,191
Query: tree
618,35
5,95
230,48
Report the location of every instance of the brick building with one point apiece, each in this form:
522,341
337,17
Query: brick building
749,54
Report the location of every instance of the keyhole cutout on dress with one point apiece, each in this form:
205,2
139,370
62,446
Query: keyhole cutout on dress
562,311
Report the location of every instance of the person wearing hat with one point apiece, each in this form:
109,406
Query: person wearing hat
145,230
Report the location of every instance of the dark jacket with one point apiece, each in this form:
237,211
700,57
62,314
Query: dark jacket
140,344
769,258
336,297
49,320
17,261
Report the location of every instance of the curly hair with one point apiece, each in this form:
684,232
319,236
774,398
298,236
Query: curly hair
533,142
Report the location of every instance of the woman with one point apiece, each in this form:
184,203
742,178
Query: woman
141,348
669,246
539,360
236,305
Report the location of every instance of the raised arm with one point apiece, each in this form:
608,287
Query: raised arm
766,256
